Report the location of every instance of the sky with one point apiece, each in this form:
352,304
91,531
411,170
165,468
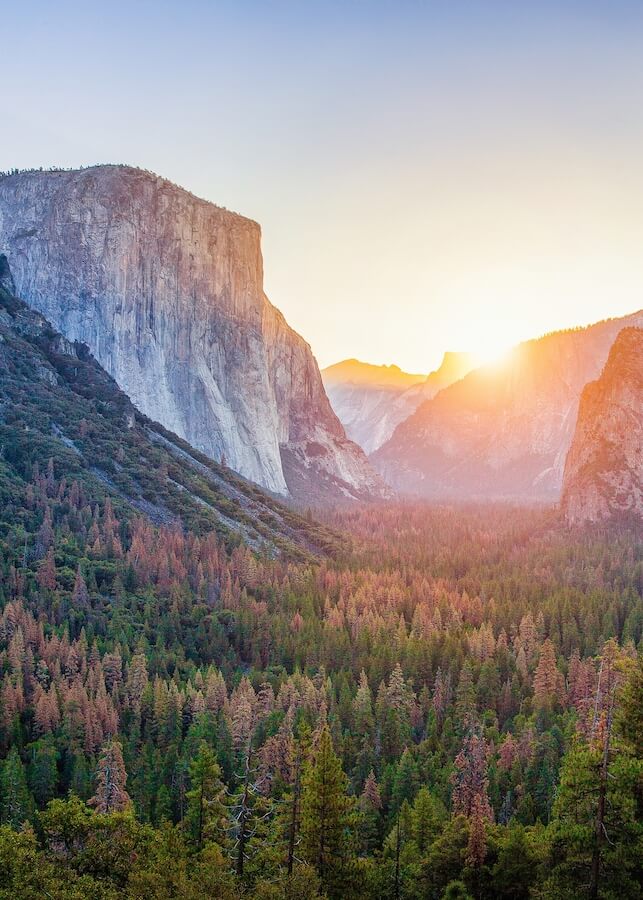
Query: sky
428,176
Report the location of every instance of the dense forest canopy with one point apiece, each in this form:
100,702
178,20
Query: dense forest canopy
449,708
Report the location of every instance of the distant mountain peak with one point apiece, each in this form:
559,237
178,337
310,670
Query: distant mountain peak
372,400
355,371
455,365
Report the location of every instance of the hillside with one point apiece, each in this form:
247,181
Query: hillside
58,404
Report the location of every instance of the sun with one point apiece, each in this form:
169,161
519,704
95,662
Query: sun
492,352
490,340
491,349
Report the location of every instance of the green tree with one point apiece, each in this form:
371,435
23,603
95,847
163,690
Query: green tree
587,792
515,869
456,890
406,781
16,802
206,807
326,817
43,770
25,873
428,816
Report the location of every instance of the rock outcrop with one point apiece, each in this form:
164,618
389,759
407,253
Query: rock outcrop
371,401
167,291
503,431
604,469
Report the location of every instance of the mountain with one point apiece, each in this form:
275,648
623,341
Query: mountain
59,408
504,430
371,401
167,291
604,468
353,371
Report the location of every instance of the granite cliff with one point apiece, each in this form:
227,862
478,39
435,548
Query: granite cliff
604,468
503,431
167,291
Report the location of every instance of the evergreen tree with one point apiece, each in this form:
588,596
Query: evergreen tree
370,804
111,795
206,807
428,815
326,817
43,770
16,803
406,782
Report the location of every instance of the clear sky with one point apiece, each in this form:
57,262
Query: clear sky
428,176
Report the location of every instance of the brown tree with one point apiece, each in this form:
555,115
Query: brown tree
111,795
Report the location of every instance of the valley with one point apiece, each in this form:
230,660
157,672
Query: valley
239,667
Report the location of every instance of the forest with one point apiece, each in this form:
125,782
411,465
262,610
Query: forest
449,705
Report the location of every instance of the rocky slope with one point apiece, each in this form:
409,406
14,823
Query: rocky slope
59,407
604,468
167,291
504,430
371,401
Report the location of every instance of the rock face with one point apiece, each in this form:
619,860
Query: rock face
604,468
167,291
371,401
57,403
504,430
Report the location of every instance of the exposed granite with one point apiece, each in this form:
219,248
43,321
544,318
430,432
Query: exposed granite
604,468
167,291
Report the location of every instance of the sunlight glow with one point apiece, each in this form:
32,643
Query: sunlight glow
492,352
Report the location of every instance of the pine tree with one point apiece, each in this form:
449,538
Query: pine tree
465,705
249,810
470,780
43,771
477,846
548,681
206,807
46,575
111,795
80,595
370,804
293,813
326,819
16,804
427,819
406,781
629,717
